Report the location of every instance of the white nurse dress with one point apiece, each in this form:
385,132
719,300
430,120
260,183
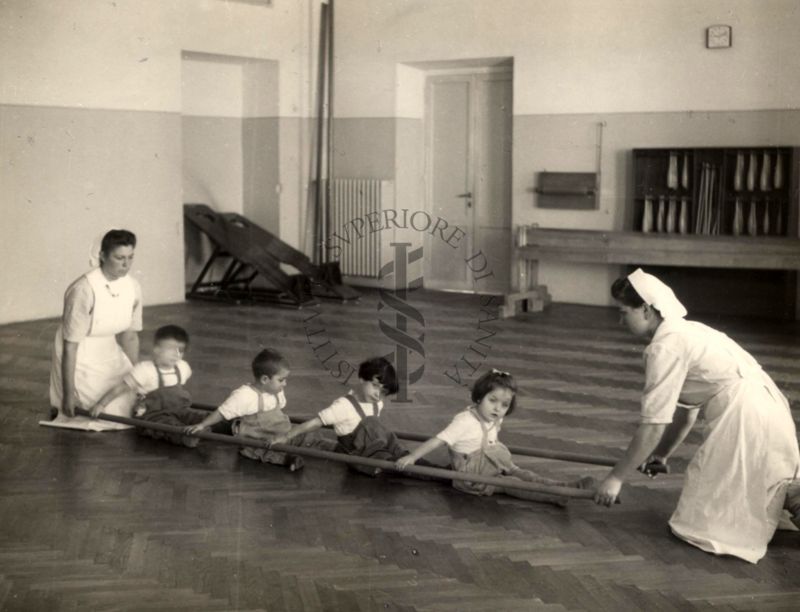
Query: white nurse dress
734,487
95,311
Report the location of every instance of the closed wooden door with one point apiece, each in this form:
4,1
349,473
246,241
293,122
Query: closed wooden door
469,181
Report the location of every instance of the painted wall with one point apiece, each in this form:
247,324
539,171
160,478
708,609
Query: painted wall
577,56
92,137
91,104
641,66
231,145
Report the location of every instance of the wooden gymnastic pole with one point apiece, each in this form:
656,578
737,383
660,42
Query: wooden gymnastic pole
515,450
505,483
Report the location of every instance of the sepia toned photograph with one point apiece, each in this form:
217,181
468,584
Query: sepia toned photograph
399,305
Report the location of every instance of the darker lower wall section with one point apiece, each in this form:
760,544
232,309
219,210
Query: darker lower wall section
364,148
233,165
569,143
261,171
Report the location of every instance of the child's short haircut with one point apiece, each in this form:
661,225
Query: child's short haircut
380,368
268,363
171,332
495,380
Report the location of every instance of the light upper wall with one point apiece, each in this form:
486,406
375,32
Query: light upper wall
641,67
91,133
578,56
126,54
211,88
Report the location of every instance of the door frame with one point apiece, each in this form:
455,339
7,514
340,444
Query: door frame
458,74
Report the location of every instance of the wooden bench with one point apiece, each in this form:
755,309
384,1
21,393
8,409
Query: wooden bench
535,244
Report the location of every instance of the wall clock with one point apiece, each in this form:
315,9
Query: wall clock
718,36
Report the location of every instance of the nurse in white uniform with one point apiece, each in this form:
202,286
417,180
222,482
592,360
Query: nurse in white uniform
743,475
98,339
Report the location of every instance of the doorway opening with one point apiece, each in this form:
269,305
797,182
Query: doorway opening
467,144
230,143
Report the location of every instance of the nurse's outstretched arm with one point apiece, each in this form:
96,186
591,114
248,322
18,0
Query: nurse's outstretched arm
645,439
109,396
682,422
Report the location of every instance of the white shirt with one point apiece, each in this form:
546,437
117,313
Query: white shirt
143,378
687,363
342,415
465,435
244,401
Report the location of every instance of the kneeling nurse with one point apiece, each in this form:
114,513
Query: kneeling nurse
743,475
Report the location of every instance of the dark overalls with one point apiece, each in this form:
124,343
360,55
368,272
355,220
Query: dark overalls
370,439
170,406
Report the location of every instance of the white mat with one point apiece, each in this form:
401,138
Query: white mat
84,424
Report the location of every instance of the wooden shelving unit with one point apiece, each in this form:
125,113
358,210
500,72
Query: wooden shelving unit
739,219
746,192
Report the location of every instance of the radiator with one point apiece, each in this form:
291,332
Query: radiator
351,201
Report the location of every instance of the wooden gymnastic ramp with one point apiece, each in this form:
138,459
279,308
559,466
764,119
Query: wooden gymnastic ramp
253,252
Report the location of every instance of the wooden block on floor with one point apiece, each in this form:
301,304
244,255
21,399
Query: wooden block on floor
532,300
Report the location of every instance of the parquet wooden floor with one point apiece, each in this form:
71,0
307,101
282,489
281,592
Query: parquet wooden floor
113,521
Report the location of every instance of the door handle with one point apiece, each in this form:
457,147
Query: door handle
468,197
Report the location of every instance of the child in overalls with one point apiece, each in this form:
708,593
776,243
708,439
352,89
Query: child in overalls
159,384
355,417
256,410
471,438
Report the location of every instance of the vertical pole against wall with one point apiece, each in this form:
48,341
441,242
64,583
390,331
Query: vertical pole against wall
319,195
328,183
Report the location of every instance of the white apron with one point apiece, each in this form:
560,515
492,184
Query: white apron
734,488
100,362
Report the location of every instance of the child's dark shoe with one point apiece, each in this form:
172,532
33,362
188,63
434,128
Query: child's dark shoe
587,482
295,464
364,469
190,441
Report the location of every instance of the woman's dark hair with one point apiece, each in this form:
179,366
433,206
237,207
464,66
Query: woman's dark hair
623,292
268,363
380,368
495,380
171,332
117,238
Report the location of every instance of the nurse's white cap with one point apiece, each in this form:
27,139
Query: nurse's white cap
657,294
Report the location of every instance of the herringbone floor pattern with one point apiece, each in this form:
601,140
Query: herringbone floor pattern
117,522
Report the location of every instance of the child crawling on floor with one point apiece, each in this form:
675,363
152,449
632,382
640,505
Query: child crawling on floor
471,438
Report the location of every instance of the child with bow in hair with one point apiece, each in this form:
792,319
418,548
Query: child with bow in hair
471,438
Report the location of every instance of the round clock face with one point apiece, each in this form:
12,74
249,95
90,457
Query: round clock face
718,36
